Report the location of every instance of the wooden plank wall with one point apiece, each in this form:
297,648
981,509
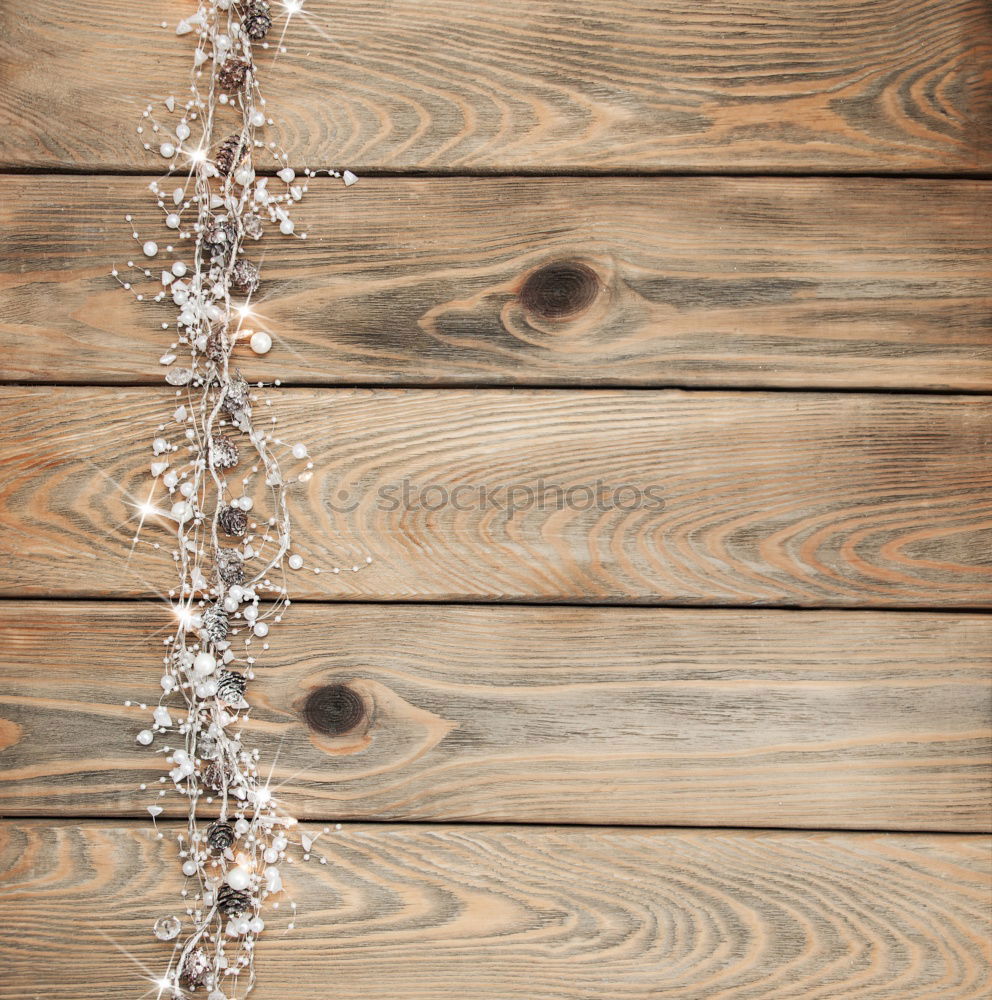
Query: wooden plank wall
733,742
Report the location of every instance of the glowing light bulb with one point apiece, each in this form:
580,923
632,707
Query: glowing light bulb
196,155
184,615
147,509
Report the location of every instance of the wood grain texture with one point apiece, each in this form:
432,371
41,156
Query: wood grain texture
854,720
528,914
798,85
648,497
621,281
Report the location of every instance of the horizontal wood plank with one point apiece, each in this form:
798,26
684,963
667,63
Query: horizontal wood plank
553,281
855,720
800,85
526,914
805,499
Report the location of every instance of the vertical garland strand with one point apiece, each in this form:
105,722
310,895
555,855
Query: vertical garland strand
236,834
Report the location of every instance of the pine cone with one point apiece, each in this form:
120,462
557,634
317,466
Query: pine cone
223,452
233,522
244,277
233,901
238,395
220,836
232,74
195,969
221,239
215,625
217,775
231,687
230,567
217,346
257,19
231,152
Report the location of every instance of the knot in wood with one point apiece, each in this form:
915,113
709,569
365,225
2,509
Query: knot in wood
333,710
558,290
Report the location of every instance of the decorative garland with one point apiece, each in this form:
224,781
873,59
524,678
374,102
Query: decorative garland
230,556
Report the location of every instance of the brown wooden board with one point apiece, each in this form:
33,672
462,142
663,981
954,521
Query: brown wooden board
414,913
858,720
891,86
848,283
803,499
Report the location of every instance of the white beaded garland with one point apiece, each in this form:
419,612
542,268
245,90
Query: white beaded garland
228,592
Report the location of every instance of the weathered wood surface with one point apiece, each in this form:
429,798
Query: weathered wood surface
800,85
802,499
411,913
857,720
640,281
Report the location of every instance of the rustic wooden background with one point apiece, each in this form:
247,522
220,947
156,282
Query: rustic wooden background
738,748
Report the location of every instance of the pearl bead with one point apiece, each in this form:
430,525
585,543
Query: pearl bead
187,489
204,664
280,843
230,604
261,342
295,561
182,511
247,503
271,855
182,131
256,925
250,613
145,737
162,717
238,879
257,119
287,174
189,868
172,220
242,827
261,629
299,451
286,227
150,248
179,269
167,150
